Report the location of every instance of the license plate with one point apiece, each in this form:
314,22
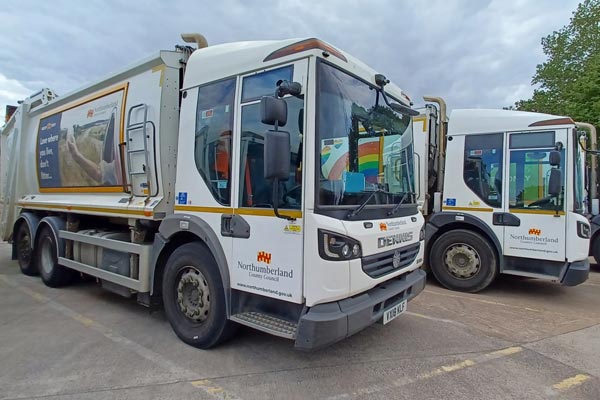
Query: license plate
394,311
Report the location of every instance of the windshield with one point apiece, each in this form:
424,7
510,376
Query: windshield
364,146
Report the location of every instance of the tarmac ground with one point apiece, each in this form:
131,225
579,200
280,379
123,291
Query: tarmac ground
520,338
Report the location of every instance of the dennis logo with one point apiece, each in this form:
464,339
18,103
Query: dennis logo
263,256
536,232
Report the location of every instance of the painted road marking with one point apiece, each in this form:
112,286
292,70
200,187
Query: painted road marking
495,303
436,319
590,284
444,369
205,385
571,382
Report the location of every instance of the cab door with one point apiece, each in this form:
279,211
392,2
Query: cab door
541,222
267,256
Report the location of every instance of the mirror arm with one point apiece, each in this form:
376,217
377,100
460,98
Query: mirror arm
276,201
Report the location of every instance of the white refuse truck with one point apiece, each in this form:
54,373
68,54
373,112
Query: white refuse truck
265,183
502,192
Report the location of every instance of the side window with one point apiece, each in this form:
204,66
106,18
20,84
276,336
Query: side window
212,145
529,176
255,190
530,171
482,170
264,84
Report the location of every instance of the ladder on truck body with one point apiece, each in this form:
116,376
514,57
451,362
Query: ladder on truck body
139,173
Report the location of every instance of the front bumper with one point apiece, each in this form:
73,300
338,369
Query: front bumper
577,272
328,323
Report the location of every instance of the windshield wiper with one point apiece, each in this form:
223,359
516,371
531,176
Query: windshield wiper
362,205
397,206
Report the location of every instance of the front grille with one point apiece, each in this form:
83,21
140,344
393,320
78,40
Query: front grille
382,264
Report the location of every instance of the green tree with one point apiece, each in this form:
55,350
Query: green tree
569,80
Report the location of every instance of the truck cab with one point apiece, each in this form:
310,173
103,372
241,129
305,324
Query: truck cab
506,196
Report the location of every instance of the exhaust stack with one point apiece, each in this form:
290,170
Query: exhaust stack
195,38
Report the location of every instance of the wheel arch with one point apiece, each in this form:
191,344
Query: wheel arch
32,220
173,233
443,222
55,224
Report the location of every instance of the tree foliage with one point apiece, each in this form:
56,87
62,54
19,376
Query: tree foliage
569,80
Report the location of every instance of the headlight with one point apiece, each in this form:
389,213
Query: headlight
583,230
336,247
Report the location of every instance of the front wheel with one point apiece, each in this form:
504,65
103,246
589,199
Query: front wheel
463,260
194,298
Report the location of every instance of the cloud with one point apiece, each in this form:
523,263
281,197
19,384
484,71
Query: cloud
475,54
11,91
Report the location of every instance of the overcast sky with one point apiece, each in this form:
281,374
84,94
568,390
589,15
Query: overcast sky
472,53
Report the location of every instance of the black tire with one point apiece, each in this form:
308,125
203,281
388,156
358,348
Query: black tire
473,263
52,274
595,250
24,248
190,264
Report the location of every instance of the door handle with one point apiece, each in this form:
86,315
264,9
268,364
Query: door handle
233,225
505,219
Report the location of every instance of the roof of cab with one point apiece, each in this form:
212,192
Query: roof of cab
470,121
229,59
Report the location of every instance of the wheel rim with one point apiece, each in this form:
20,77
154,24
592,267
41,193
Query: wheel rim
462,261
193,294
24,250
47,255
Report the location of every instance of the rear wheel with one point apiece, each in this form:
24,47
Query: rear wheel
24,248
46,250
463,260
194,298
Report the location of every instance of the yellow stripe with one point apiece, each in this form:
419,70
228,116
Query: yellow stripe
218,210
507,351
95,96
421,118
570,382
84,189
123,211
544,212
160,68
480,209
267,212
264,212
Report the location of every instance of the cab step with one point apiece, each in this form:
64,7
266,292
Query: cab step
267,323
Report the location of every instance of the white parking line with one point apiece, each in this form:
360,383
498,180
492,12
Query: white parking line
444,369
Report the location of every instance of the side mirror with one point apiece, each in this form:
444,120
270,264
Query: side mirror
554,158
273,111
555,181
277,156
287,87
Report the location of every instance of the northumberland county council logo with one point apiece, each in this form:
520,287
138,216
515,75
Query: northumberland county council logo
383,227
263,256
90,113
536,232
